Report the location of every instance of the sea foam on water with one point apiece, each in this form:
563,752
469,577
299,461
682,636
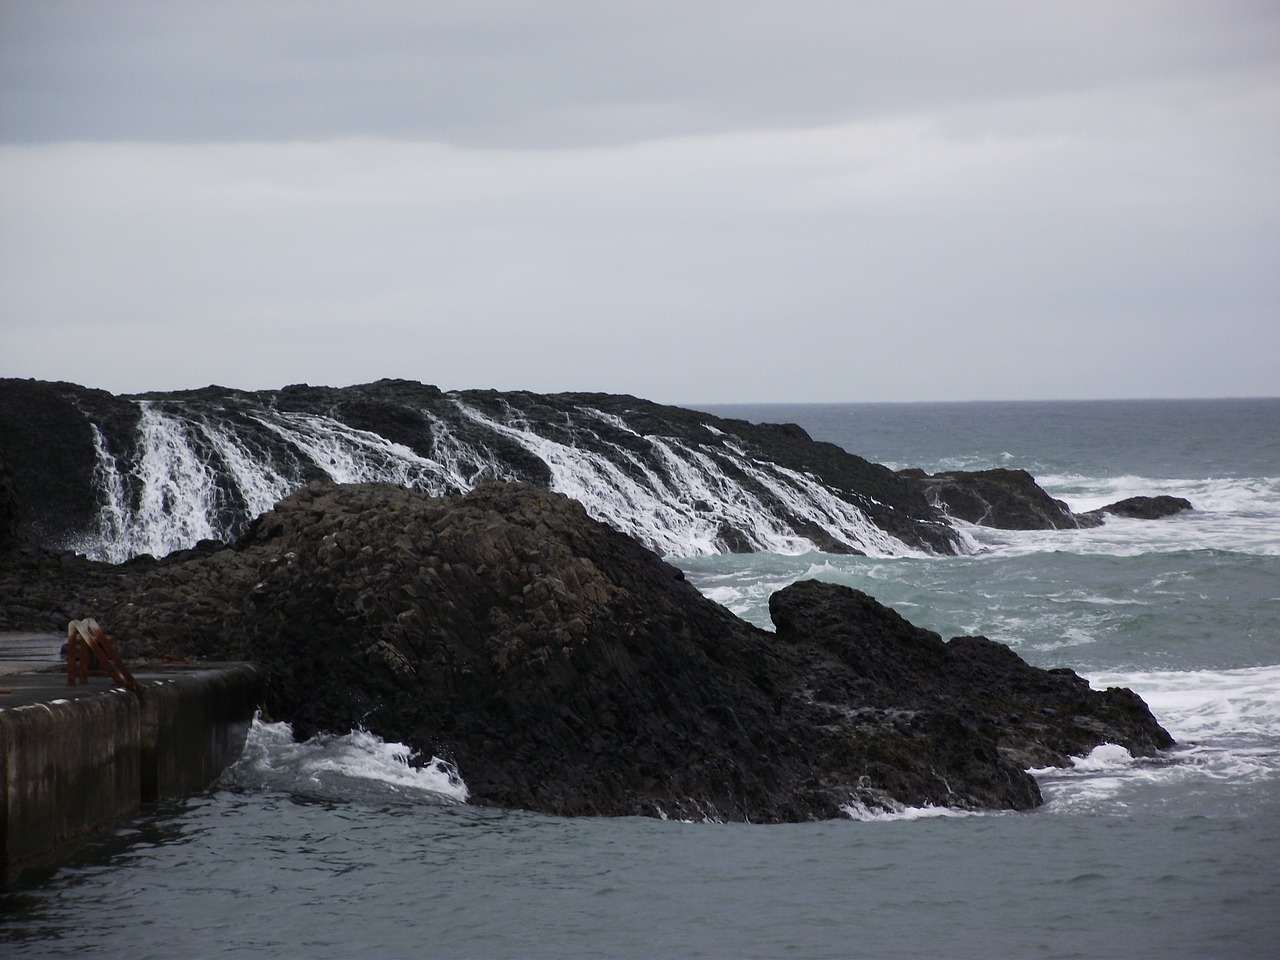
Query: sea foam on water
338,767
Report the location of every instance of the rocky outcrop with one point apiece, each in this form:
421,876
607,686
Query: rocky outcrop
47,447
1001,498
88,468
565,668
1143,508
116,477
1012,500
1035,717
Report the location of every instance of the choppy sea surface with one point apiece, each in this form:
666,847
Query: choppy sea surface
339,847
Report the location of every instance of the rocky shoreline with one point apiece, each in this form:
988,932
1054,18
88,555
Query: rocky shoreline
117,477
567,669
1012,500
562,665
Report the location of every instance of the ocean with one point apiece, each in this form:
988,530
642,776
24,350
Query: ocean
338,847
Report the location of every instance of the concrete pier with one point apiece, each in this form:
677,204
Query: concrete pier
76,760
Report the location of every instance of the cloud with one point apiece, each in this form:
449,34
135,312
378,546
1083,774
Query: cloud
512,73
1000,204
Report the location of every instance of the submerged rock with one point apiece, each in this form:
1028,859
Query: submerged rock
565,668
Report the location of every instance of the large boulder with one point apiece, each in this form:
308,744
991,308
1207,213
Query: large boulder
1143,508
1036,717
1001,498
565,668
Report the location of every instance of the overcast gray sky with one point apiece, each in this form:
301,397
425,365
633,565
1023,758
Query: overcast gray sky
689,201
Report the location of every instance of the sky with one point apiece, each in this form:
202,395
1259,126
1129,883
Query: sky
694,202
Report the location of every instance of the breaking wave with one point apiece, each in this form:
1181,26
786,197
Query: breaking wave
357,765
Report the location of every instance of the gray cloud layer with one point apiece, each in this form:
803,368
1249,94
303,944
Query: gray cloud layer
695,202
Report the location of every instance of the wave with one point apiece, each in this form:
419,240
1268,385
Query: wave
1208,705
355,766
1226,722
1231,514
856,810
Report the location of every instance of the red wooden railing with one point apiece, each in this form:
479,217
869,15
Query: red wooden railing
84,639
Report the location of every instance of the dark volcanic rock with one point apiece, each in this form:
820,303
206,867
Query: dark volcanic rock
1036,717
42,591
1001,498
9,538
1012,500
565,668
1144,508
47,445
679,479
561,665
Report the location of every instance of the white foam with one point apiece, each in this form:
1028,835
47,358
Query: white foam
1238,514
350,455
177,501
327,765
662,509
1226,722
857,810
259,483
1200,704
1104,757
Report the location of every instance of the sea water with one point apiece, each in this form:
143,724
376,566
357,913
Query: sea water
340,847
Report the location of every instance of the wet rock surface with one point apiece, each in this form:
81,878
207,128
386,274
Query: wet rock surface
54,438
565,668
1001,498
85,470
1012,500
1144,508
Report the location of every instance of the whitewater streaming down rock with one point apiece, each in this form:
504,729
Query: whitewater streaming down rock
160,472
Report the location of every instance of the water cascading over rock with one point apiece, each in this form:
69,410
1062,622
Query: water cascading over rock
115,477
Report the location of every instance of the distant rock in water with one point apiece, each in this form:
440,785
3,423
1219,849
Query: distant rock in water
565,668
1144,508
1012,500
1001,498
117,477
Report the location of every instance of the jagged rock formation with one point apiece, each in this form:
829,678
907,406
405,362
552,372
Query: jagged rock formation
1001,498
1035,717
1012,500
115,477
1144,508
565,668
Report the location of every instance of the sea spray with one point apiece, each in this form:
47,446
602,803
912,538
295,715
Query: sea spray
329,766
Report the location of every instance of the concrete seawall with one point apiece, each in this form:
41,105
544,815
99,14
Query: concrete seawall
76,760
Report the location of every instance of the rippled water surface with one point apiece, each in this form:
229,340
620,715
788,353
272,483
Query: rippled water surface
266,874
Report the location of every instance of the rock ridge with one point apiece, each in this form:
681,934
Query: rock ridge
565,668
1009,499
